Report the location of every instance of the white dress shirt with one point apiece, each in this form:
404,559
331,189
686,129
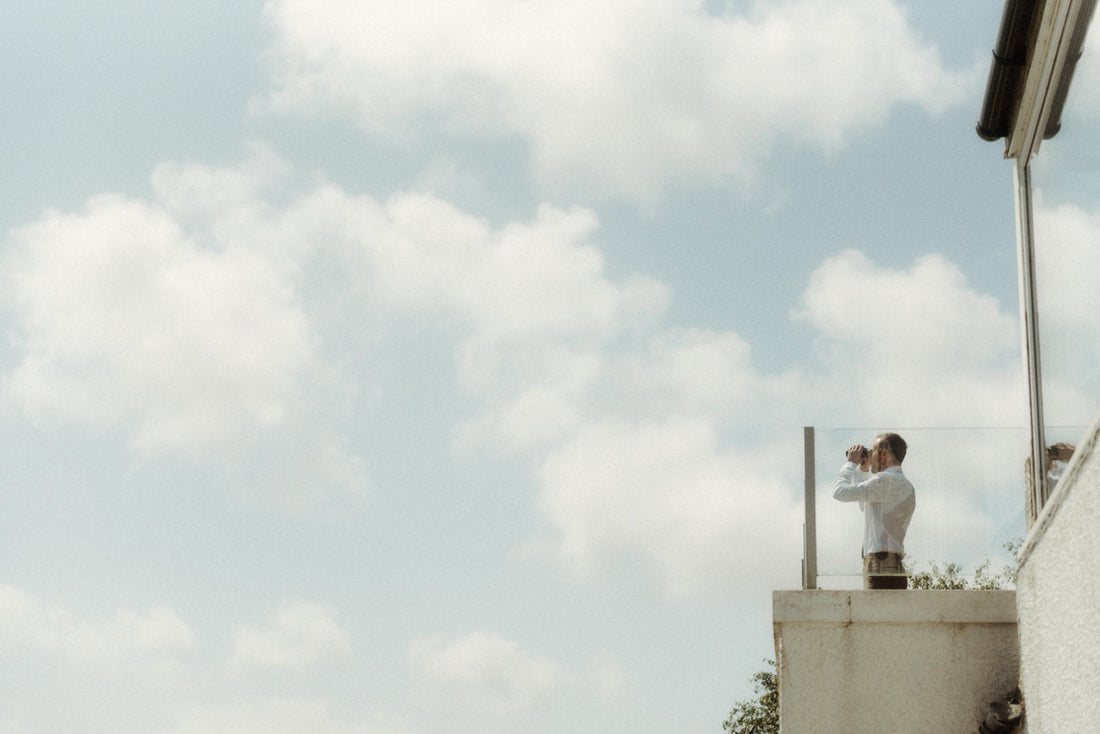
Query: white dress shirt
887,500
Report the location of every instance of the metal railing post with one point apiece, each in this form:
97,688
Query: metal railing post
809,562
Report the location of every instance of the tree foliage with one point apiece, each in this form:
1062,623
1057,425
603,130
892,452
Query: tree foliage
950,575
761,714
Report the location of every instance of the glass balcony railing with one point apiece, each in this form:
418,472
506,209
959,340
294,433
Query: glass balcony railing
970,493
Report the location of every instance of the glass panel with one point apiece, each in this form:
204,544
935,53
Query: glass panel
1067,256
969,485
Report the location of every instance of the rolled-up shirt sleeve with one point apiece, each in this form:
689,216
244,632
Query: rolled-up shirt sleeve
850,486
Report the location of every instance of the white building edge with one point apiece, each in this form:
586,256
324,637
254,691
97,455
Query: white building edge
1058,602
899,662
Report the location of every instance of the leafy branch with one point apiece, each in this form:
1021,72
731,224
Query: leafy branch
761,714
950,576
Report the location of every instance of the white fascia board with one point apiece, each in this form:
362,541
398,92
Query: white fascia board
1044,72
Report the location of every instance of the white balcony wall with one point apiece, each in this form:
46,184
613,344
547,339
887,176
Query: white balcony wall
892,662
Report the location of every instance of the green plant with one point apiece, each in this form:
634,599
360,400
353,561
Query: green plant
761,714
950,575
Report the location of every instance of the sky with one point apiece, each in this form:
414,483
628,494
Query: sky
394,368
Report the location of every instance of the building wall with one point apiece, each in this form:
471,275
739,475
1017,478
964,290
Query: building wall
892,662
1059,602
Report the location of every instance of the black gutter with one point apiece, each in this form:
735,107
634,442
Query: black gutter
1010,63
1006,75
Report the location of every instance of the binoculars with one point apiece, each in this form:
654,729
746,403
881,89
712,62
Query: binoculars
862,454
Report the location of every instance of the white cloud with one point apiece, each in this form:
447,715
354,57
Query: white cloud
130,642
418,253
706,517
184,323
574,371
481,671
608,677
632,440
915,347
623,95
128,320
1083,104
1067,256
281,716
1067,236
298,636
196,318
647,442
562,359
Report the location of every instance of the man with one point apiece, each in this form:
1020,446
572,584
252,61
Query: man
887,501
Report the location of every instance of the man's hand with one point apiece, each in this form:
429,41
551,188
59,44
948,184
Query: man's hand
855,454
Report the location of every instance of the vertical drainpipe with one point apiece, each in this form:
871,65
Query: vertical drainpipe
1029,322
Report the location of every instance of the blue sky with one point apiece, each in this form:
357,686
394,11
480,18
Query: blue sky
394,368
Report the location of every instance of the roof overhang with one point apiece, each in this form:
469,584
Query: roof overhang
1038,45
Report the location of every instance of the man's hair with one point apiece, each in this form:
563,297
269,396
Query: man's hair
896,444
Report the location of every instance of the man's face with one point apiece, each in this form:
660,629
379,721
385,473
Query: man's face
876,456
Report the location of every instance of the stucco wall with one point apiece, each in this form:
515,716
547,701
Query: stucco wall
1059,602
887,662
